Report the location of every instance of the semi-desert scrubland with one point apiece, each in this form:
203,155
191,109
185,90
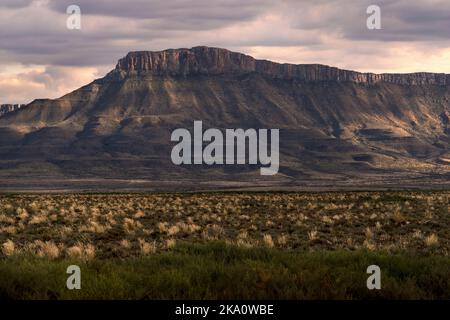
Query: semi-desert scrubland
226,245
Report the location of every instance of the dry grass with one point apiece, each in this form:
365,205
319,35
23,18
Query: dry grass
312,235
8,248
91,226
268,241
170,243
83,251
146,247
431,240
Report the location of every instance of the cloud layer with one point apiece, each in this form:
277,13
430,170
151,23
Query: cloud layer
42,58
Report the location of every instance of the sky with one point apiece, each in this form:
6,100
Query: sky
41,58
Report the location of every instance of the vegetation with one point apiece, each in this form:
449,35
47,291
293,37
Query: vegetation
220,271
226,245
123,225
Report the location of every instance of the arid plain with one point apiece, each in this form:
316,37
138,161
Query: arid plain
228,245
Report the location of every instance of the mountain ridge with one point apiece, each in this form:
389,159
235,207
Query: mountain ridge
210,61
332,132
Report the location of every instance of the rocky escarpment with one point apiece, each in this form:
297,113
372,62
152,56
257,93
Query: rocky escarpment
215,61
341,132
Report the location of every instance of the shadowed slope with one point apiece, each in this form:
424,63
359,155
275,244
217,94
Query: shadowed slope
336,125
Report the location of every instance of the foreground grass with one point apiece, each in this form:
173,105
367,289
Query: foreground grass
128,225
220,271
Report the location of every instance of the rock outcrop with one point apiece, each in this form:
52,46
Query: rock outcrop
215,61
337,127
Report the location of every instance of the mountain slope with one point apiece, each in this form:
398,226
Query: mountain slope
337,127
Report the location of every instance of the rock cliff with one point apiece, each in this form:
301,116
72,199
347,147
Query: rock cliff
337,127
215,61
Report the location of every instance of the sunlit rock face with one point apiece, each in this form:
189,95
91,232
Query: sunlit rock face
337,127
214,61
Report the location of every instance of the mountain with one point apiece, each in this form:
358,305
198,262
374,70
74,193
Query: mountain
338,128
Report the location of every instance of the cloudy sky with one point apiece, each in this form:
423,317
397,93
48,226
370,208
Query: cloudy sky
41,58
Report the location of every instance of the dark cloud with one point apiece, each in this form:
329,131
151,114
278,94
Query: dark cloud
15,3
299,31
402,20
186,14
37,34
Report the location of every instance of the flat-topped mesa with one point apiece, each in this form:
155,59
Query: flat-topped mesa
216,61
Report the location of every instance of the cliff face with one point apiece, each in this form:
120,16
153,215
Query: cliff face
216,61
336,126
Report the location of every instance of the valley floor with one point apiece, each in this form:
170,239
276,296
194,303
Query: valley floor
226,245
